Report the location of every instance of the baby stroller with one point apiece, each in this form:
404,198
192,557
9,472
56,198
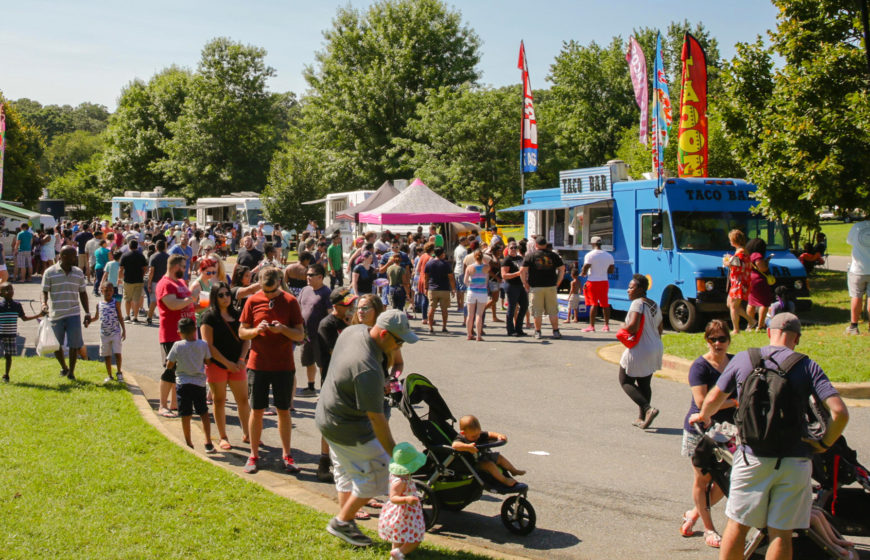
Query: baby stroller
449,479
714,456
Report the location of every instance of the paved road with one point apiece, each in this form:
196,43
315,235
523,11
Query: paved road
605,489
836,262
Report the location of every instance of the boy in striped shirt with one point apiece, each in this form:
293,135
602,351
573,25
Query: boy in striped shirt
10,312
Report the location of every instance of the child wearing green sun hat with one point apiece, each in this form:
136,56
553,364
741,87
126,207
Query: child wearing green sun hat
401,520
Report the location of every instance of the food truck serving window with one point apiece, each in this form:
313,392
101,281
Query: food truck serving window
600,223
708,231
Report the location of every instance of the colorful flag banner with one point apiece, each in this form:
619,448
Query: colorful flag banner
637,67
662,114
692,138
529,145
2,144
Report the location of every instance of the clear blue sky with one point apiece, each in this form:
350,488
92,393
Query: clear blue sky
70,51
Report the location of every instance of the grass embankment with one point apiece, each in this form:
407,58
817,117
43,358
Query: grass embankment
844,358
84,476
836,232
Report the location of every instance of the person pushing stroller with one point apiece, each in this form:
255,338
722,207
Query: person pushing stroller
489,461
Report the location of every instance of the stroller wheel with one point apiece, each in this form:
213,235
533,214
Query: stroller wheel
429,503
518,515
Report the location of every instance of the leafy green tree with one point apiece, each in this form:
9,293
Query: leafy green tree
53,120
227,131
295,176
374,71
467,145
69,149
81,188
139,130
22,180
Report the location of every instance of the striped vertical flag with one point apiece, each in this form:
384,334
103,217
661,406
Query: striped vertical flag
637,69
662,112
2,144
529,153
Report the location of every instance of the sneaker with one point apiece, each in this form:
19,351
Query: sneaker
120,378
605,328
520,334
71,376
108,380
852,330
557,334
537,335
323,474
290,464
64,372
5,379
590,328
209,448
348,532
136,320
251,465
307,392
149,321
651,414
128,319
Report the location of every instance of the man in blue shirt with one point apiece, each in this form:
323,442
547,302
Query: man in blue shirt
22,249
185,250
775,492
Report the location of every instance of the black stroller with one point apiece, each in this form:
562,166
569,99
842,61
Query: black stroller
449,479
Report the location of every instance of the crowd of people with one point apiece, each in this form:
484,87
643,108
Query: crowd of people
236,329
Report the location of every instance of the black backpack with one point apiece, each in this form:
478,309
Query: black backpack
770,416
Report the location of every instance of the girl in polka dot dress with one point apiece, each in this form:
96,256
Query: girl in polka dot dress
401,520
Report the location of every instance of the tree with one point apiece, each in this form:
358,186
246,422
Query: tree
798,130
294,177
53,120
139,130
22,181
227,131
69,149
467,144
81,189
374,71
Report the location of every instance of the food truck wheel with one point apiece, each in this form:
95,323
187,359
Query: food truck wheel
682,315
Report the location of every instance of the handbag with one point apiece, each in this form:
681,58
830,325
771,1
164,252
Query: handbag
770,278
46,341
628,339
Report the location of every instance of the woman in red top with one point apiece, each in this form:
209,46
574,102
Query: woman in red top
738,279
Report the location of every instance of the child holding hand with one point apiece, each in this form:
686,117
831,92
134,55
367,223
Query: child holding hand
401,520
489,461
112,329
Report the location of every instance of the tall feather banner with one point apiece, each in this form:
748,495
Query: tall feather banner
662,112
637,68
692,140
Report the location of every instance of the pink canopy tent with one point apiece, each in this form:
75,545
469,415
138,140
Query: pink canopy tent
417,204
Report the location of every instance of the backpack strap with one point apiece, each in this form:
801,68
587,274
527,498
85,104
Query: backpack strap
791,361
755,357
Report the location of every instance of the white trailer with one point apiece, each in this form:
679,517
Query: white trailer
244,207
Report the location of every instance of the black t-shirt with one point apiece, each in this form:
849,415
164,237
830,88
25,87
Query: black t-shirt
365,280
159,261
513,264
327,331
250,258
82,239
439,272
543,267
134,264
225,340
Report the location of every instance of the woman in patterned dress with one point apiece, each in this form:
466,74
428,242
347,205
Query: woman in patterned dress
738,278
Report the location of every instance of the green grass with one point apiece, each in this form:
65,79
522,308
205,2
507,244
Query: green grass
84,476
836,232
842,357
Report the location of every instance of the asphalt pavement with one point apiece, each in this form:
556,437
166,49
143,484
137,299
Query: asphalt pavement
601,487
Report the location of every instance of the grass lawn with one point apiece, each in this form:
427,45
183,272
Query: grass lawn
842,357
86,477
836,232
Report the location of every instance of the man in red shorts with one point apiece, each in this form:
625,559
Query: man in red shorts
597,264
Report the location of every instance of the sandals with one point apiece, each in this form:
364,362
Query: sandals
712,539
374,503
225,445
687,529
361,515
166,413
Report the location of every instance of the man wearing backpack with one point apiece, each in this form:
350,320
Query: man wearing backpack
770,475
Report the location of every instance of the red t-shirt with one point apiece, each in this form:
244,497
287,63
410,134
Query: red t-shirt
169,318
271,351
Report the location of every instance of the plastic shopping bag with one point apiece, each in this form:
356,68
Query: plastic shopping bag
46,341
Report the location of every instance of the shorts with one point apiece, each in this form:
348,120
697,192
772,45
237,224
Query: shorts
492,287
476,297
220,376
68,329
764,496
360,469
83,262
191,397
10,344
310,352
543,301
859,284
24,260
133,292
690,442
437,297
595,293
259,383
165,347
460,285
110,344
573,301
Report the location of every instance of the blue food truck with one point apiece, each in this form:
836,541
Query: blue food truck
676,238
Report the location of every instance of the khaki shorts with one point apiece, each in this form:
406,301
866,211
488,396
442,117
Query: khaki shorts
360,469
24,260
83,263
437,297
133,292
543,301
859,284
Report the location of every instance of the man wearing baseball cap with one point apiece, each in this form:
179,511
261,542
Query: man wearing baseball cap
350,416
542,273
774,492
597,264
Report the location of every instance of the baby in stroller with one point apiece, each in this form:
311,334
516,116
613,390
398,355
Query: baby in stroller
488,460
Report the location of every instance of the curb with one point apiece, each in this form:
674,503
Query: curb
284,485
677,369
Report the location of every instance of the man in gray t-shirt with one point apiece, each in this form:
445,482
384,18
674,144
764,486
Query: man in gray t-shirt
350,416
